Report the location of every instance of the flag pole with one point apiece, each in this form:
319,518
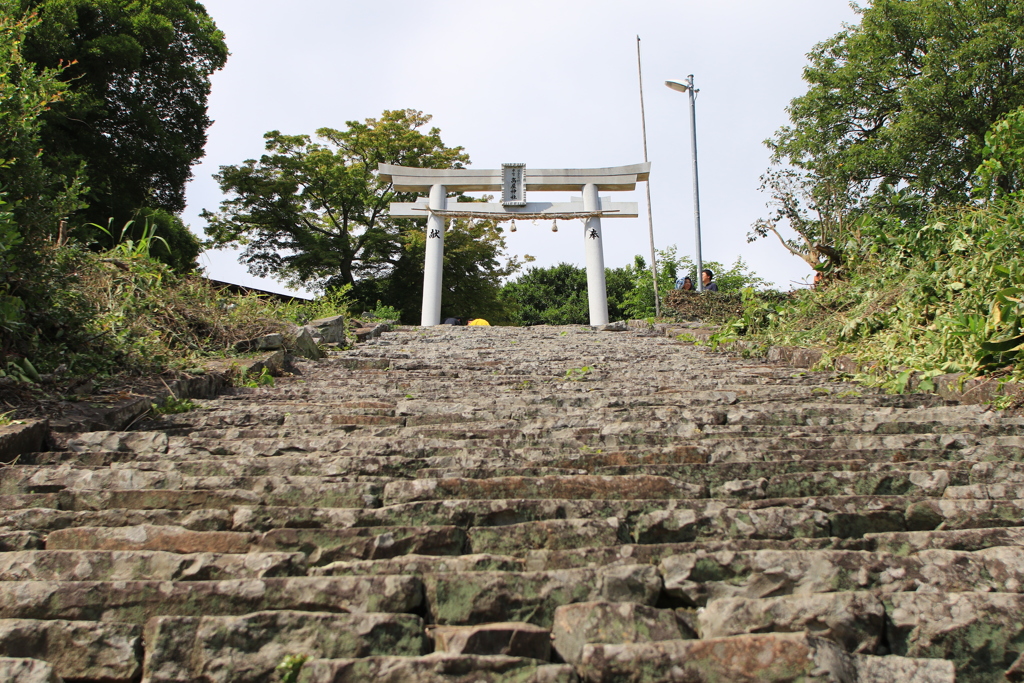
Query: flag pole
650,217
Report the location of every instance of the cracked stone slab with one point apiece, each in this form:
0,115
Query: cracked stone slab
854,620
139,565
515,639
172,539
585,487
981,633
248,648
26,670
324,546
490,597
137,601
85,650
439,667
612,622
761,658
556,534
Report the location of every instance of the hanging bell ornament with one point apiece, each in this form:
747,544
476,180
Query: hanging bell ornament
554,226
512,228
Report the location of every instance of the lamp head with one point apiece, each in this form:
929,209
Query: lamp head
681,86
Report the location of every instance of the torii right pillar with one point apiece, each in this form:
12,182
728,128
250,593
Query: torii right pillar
597,291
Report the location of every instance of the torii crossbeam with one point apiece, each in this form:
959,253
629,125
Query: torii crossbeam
514,180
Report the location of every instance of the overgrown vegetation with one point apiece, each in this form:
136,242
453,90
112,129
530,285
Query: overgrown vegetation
941,297
315,213
122,313
901,177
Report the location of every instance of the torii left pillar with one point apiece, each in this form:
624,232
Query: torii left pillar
597,292
434,262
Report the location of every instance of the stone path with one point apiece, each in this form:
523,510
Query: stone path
544,504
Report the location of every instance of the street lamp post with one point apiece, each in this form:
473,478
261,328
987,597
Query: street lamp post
687,87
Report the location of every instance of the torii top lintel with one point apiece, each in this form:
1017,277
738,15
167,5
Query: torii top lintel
411,179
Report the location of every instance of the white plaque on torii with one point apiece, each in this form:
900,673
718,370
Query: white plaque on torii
591,207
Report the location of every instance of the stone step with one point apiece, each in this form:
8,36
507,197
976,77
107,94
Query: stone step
419,565
911,624
440,667
270,490
27,670
584,487
44,519
143,565
198,648
767,658
700,578
134,602
899,544
76,650
321,546
480,597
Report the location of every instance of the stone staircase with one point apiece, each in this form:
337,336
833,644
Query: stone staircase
544,504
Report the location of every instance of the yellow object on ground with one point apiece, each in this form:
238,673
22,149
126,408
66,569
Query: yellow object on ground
479,321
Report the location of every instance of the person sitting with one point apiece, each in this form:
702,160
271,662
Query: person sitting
686,284
707,279
479,322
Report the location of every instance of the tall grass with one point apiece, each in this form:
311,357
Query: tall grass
947,296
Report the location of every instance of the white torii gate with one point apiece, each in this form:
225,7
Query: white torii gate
513,180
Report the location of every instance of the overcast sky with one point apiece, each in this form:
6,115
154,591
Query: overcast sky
552,83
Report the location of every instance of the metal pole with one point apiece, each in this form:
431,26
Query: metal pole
650,217
696,185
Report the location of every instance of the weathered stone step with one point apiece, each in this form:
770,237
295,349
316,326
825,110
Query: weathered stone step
954,626
1008,428
137,601
271,490
696,579
45,519
319,545
137,499
27,670
973,539
764,658
711,474
439,667
480,597
143,565
583,487
76,650
418,565
189,649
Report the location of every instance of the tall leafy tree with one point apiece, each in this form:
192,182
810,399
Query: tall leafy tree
137,74
897,105
37,196
315,213
907,95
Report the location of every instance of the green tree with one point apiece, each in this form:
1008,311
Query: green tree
316,214
897,107
137,74
27,92
39,198
907,96
548,296
1002,171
